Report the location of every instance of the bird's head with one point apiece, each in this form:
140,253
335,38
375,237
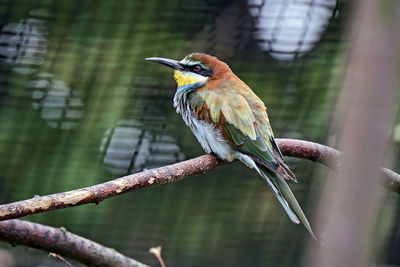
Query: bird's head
196,68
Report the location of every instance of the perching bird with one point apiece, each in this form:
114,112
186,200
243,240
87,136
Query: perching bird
230,120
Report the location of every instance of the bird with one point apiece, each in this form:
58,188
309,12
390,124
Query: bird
231,121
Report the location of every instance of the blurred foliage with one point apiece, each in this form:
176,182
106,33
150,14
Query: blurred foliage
80,106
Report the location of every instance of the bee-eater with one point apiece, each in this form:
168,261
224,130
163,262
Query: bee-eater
230,120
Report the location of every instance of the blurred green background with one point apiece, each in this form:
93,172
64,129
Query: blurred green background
79,105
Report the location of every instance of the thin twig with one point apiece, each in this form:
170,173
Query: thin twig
156,251
200,165
60,258
60,241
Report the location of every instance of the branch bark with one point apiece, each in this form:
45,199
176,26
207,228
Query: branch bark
60,241
200,165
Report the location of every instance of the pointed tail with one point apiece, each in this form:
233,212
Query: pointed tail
286,198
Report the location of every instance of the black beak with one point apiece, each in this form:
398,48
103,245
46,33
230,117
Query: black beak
174,64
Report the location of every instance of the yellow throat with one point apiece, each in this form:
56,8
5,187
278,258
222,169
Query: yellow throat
187,78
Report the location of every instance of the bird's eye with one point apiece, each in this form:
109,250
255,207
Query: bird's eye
196,68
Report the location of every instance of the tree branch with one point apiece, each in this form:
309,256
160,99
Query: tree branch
200,165
60,241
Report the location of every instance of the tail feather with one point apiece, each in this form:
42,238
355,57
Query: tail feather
286,198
